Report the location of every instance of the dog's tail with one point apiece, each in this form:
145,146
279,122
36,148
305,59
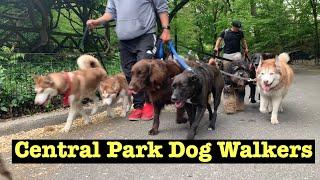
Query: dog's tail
86,62
284,57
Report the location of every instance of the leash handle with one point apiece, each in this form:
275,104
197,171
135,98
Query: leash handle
161,50
84,37
176,56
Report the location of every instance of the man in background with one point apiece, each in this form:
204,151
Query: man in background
232,38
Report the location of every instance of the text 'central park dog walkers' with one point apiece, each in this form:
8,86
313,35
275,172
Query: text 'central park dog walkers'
163,151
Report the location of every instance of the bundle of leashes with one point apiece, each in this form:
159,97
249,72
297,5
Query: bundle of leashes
175,55
184,65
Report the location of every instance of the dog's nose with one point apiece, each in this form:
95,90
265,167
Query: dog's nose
174,98
266,82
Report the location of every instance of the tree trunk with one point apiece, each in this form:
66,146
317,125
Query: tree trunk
253,8
314,4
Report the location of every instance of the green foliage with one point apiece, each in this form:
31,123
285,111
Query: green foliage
276,25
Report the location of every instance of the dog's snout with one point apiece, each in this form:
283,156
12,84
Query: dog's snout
174,98
266,82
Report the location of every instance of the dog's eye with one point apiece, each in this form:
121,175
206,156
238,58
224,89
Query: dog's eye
271,73
262,73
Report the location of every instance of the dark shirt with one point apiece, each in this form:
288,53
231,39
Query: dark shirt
232,41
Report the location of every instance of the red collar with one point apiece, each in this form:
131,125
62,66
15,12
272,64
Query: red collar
67,92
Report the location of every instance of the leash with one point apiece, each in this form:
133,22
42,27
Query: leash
183,64
238,77
219,58
176,56
86,31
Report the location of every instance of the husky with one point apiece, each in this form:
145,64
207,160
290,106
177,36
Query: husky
113,90
274,77
74,86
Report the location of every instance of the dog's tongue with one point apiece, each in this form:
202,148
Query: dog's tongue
266,88
131,91
179,104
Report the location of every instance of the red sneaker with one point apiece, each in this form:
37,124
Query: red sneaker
147,114
135,114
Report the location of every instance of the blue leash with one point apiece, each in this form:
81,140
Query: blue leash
176,56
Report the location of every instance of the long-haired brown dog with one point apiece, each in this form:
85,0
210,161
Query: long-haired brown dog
155,78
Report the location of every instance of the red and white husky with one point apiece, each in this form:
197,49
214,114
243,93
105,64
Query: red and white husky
274,77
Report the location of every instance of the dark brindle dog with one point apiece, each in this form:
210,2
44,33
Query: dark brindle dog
255,59
191,89
234,91
155,78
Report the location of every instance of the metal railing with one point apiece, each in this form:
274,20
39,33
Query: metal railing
16,78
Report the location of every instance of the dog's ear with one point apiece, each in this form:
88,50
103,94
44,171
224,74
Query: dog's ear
35,77
260,63
48,80
277,62
157,74
116,86
194,78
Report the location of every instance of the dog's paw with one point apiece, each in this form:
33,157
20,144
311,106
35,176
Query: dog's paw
182,120
86,122
281,109
111,114
274,121
190,135
263,110
94,111
211,128
123,114
153,132
65,129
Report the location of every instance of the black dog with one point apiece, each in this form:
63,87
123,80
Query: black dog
255,59
191,89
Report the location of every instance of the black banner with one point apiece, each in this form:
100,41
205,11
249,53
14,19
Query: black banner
163,151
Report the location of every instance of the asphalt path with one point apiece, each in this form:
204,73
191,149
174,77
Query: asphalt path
300,120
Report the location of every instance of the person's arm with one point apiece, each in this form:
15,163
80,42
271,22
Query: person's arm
162,10
218,43
92,23
107,16
245,46
164,18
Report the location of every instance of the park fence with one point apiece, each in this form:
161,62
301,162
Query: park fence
16,78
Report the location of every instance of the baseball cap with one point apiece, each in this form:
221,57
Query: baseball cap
236,23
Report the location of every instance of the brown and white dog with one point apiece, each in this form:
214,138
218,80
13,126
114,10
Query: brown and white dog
75,86
113,90
274,76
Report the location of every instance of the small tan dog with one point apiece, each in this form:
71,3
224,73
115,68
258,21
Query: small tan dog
75,86
113,90
274,77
